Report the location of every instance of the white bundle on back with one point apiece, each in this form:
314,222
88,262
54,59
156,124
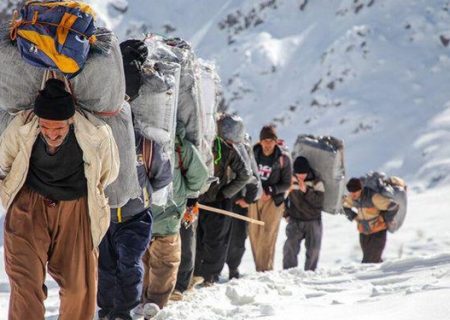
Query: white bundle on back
188,111
209,94
326,157
155,108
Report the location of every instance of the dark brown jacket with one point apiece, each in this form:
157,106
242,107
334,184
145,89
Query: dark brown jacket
306,206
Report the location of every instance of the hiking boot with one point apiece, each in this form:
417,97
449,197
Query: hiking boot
195,281
210,280
103,315
234,274
176,295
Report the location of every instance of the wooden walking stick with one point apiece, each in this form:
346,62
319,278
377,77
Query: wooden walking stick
230,214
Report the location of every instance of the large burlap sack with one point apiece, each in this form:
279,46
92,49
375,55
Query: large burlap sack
155,109
231,128
126,186
209,94
100,86
188,99
393,188
326,157
19,81
5,119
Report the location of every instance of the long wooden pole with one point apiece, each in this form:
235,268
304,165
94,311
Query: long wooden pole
230,214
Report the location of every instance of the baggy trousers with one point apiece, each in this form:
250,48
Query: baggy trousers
238,235
161,261
263,238
120,271
41,234
296,232
213,234
188,245
372,246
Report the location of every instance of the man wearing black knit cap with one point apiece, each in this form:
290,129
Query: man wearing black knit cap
275,170
54,166
372,212
304,214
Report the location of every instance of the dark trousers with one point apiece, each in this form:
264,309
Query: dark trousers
213,234
188,245
296,232
372,246
238,235
120,271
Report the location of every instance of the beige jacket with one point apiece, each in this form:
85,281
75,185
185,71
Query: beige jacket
369,207
100,155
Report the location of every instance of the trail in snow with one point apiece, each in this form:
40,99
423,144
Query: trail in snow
339,293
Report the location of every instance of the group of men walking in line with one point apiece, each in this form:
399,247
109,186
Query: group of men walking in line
55,163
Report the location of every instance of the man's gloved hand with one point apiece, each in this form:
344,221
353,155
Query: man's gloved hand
191,202
268,190
388,216
350,214
134,50
191,213
134,55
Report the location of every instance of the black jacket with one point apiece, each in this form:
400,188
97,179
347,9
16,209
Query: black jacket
253,189
280,177
306,206
232,172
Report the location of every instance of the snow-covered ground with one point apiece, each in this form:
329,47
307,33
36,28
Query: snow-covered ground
412,284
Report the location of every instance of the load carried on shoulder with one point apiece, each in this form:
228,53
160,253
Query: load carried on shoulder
175,90
391,187
326,157
60,40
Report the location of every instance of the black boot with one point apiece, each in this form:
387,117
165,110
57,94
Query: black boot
234,274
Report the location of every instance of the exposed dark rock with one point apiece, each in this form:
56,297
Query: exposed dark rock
444,40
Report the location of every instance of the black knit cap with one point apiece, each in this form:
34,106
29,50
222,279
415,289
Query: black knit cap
354,185
134,55
268,132
301,165
54,102
133,49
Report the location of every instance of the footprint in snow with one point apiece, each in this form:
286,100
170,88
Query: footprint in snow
239,295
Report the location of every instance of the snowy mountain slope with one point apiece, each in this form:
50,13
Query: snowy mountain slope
372,72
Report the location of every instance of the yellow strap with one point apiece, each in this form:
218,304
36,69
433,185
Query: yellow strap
119,214
47,45
35,17
64,27
146,197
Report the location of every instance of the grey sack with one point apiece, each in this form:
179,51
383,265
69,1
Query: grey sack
326,156
100,86
155,108
126,186
19,81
